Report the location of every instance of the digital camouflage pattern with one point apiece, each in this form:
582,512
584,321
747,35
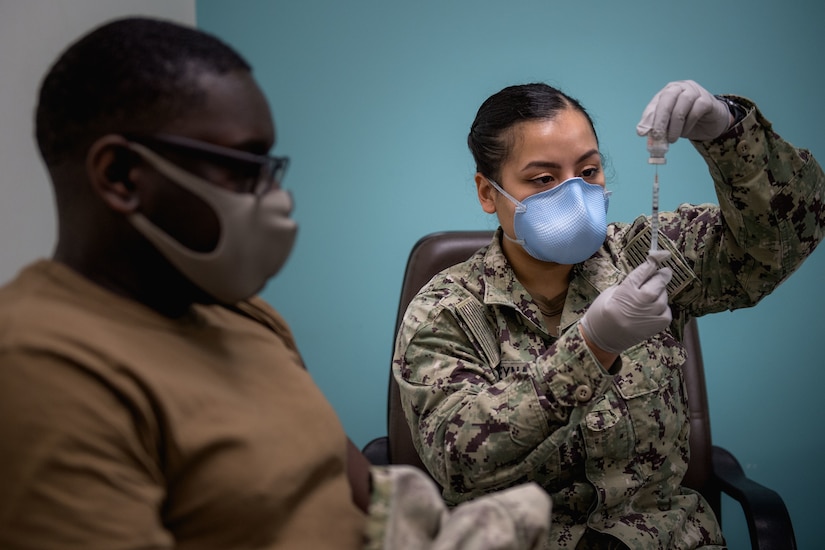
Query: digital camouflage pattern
494,400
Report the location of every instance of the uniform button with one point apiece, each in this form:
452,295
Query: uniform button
743,148
583,393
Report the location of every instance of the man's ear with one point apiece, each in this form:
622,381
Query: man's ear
109,165
486,193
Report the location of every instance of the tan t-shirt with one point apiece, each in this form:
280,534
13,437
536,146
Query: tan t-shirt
121,428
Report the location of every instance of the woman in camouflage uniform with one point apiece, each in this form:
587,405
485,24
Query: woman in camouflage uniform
553,354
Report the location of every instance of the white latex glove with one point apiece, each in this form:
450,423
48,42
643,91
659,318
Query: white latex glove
633,310
685,109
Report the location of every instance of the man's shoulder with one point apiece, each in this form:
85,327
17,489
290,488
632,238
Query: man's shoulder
33,298
48,308
259,310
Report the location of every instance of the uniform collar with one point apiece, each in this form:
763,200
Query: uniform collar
588,279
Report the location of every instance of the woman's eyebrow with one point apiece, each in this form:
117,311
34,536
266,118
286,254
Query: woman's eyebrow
550,164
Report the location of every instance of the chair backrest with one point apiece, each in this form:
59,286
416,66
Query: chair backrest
438,251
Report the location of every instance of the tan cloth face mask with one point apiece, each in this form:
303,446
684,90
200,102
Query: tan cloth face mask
256,235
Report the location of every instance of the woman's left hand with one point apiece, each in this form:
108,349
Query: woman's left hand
684,109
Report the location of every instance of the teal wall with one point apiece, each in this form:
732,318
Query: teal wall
373,100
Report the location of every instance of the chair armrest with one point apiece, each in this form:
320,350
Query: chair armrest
377,451
769,523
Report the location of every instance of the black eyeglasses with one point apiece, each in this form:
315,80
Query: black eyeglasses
258,173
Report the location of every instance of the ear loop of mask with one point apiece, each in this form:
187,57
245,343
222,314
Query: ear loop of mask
519,208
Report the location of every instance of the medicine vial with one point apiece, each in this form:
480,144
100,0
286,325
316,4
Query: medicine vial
657,147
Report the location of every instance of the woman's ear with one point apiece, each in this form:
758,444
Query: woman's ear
109,165
486,193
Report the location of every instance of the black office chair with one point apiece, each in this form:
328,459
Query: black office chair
712,470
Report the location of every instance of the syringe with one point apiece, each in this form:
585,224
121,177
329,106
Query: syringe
657,147
654,218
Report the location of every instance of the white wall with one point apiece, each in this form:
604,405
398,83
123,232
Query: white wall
32,34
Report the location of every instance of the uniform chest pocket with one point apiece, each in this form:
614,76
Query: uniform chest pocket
608,430
524,411
650,366
527,423
640,425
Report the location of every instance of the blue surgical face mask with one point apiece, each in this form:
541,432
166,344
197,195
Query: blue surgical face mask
566,224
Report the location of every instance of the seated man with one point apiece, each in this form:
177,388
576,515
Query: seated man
147,398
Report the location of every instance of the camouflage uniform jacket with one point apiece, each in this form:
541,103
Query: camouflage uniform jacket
493,400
